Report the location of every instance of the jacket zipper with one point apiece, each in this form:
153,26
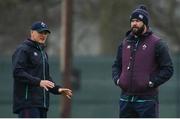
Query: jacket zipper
26,95
44,77
131,64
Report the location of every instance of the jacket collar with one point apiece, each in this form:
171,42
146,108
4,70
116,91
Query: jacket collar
130,35
34,44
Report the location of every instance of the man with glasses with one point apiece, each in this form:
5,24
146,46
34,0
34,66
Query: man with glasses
32,81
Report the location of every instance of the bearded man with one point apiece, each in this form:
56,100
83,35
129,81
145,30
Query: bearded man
142,64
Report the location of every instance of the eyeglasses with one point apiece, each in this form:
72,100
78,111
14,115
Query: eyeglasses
43,32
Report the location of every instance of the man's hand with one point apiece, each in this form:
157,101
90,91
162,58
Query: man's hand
118,81
46,84
66,92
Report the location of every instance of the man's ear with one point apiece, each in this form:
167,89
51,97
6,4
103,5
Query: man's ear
31,31
32,34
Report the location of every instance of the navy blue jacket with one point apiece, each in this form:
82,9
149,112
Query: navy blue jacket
30,66
141,52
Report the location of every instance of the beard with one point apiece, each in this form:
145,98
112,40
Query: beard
137,31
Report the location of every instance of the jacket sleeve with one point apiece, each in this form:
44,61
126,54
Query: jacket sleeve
117,65
165,65
20,63
55,89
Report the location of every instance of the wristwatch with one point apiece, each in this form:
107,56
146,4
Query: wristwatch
151,84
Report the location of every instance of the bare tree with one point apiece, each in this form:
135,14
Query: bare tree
165,19
16,18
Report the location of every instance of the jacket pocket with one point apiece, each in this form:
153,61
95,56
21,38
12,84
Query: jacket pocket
141,84
123,83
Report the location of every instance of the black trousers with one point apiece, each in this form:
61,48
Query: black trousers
33,112
139,108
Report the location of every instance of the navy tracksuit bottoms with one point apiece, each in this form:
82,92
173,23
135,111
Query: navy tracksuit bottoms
139,108
33,113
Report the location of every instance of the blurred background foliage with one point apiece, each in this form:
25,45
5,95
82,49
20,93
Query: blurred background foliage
98,28
101,21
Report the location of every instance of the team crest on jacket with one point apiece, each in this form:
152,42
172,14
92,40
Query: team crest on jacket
144,46
35,54
128,47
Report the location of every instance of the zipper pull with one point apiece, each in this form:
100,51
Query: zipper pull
128,67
